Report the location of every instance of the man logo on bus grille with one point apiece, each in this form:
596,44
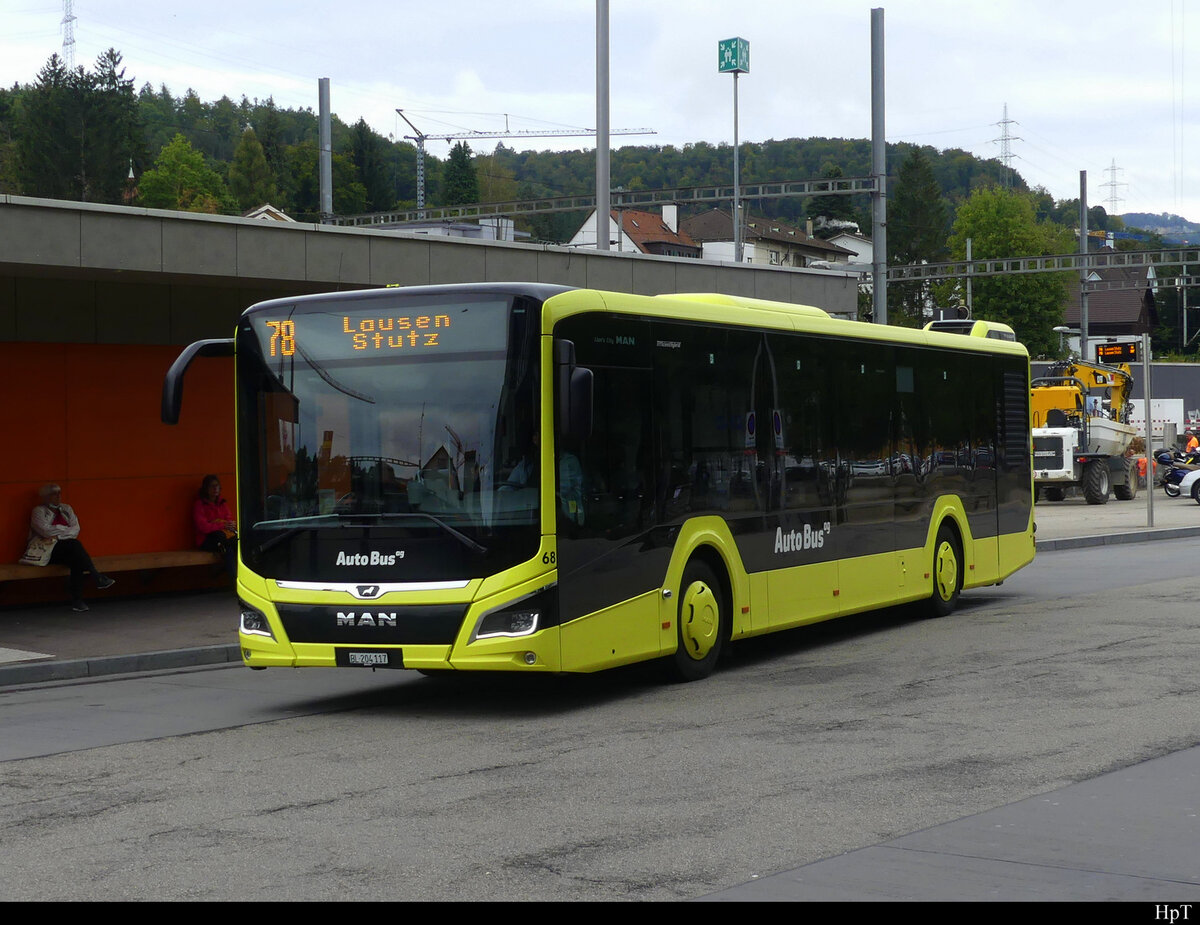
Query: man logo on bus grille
366,619
367,592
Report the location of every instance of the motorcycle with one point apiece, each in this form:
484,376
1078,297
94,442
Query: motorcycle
1178,469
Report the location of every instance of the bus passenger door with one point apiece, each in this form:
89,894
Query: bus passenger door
610,560
868,568
804,570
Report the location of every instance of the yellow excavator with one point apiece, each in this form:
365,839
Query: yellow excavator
1081,431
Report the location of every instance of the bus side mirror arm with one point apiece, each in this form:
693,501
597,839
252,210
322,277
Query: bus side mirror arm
574,389
172,391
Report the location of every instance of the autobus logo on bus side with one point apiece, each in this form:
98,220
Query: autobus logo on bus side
805,538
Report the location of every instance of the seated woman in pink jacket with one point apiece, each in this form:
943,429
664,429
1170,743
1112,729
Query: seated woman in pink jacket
216,530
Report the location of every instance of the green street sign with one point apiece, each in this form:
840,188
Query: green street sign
733,56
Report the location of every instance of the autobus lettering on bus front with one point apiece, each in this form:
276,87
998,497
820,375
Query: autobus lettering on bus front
798,540
379,618
374,558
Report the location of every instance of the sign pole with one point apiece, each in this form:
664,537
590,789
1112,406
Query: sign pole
733,57
737,198
1148,430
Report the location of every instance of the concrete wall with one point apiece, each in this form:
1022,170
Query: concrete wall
79,272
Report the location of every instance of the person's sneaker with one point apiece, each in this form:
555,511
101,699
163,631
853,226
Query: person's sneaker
105,582
80,607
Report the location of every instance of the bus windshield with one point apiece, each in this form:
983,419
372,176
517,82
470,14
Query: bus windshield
388,432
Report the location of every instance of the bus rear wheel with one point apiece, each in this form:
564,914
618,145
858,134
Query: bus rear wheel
702,623
947,573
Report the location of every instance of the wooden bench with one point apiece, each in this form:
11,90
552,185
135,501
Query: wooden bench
136,562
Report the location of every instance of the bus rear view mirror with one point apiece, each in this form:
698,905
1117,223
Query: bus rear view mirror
573,386
172,392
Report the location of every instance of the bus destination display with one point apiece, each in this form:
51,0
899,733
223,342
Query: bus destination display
369,334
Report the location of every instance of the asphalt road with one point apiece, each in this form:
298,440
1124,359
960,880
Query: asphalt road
230,784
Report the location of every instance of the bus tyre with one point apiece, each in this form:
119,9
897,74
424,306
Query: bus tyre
947,573
1128,491
1095,482
702,623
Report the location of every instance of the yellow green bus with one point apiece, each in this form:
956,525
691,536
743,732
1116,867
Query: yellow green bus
527,477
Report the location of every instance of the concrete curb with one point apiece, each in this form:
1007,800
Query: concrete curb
49,670
76,668
1117,539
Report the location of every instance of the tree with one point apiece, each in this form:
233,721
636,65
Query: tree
269,131
369,153
181,180
114,145
303,173
917,230
8,145
1001,223
459,183
78,133
496,182
46,154
250,178
834,208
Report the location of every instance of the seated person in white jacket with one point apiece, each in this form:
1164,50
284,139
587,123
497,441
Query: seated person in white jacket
53,519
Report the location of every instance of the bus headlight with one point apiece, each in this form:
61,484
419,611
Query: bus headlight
509,623
254,622
521,617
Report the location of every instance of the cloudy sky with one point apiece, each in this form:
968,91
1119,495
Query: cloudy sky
1088,84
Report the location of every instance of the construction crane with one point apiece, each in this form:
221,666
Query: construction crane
420,137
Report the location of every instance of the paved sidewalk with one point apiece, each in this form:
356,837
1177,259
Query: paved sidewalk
1074,523
49,642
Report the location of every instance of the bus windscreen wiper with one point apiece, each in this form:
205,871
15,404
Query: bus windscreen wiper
461,537
293,525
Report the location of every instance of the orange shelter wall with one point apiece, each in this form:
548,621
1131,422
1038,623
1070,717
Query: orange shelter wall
87,417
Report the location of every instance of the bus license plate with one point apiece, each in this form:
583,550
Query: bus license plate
369,659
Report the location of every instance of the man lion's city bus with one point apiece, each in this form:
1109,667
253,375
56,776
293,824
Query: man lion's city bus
527,477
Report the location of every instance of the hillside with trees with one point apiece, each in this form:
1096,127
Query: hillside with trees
78,135
90,136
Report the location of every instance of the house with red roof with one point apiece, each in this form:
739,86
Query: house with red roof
635,231
1122,303
764,240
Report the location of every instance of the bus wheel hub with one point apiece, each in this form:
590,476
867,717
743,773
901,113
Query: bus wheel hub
700,620
946,564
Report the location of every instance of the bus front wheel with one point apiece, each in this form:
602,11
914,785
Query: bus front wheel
947,573
702,623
